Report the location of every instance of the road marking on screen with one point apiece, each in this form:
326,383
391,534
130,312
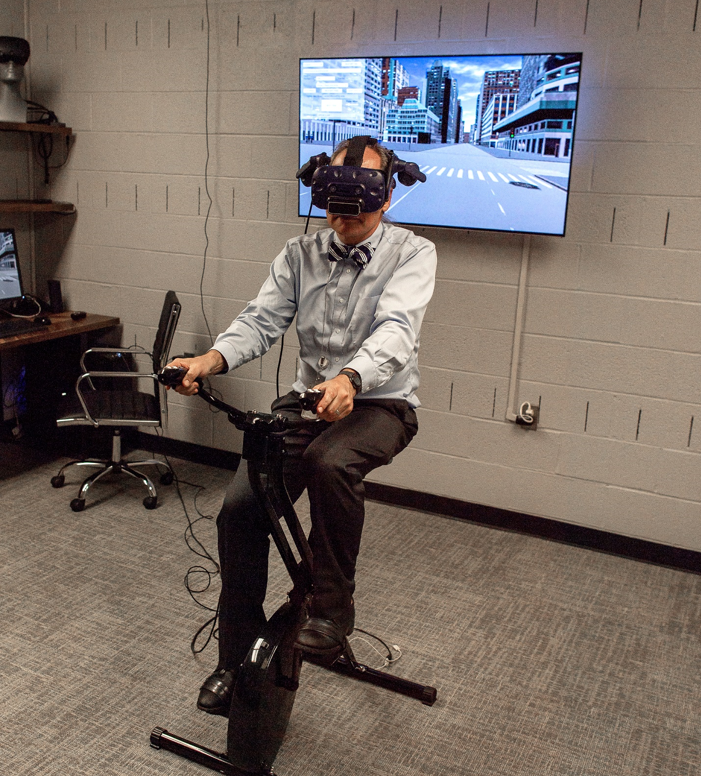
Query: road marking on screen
493,177
425,167
459,173
501,208
441,171
541,182
513,177
470,174
480,176
428,172
413,188
450,172
501,175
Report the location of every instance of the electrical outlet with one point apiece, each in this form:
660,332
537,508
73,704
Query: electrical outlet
528,416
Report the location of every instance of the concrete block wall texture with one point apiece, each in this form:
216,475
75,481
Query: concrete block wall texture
610,348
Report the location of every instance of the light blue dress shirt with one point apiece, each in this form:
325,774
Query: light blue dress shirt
368,320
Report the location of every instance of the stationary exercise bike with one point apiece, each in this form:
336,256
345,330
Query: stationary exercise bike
269,676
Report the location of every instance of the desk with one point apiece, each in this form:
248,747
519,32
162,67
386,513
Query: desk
52,364
62,325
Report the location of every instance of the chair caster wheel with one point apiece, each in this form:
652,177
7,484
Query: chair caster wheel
78,504
167,478
151,502
58,481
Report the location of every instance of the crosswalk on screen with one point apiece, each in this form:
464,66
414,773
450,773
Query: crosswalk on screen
493,134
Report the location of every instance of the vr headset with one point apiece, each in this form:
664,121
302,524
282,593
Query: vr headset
13,50
350,189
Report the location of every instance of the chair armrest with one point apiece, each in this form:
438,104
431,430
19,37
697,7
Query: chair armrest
120,351
88,375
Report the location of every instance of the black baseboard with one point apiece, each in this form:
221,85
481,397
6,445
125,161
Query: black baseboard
545,528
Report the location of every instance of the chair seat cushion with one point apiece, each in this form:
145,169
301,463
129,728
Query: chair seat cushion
111,406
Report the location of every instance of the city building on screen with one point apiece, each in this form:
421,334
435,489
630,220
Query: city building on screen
531,111
494,82
411,122
543,122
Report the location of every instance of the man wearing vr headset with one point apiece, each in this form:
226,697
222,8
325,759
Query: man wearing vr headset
359,291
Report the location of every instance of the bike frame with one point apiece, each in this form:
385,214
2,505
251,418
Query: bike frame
258,717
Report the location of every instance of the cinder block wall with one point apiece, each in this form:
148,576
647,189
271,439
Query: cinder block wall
610,350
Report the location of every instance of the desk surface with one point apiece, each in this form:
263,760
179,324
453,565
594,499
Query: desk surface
62,325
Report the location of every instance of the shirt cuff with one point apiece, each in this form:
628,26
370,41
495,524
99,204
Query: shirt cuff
228,354
366,369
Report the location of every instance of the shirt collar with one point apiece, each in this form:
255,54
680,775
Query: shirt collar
372,242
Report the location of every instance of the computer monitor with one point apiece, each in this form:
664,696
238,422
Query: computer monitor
10,278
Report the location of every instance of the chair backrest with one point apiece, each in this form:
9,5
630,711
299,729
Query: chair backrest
166,330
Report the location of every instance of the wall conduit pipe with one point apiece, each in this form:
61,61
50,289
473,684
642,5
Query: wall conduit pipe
513,413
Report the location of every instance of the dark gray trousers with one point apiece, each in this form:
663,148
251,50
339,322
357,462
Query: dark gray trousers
331,461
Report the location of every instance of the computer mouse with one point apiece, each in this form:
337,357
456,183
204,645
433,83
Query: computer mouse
44,320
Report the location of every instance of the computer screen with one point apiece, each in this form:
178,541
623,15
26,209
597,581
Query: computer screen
494,134
10,278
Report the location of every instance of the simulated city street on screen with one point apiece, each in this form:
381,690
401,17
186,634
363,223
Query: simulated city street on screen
493,134
9,277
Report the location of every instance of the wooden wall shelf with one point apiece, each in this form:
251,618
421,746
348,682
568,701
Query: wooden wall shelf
43,129
33,206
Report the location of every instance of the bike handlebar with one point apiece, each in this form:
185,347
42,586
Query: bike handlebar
172,376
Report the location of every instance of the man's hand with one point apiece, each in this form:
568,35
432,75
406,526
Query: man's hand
211,363
337,401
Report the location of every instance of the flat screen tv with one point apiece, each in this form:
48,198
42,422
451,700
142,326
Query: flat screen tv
493,134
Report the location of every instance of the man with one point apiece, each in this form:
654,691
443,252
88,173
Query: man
359,291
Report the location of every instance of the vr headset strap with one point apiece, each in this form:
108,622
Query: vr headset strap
356,151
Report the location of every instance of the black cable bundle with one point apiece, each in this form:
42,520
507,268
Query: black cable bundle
44,114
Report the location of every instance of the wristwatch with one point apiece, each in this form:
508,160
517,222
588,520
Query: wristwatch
355,379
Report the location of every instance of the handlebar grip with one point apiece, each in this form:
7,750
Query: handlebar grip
171,376
310,398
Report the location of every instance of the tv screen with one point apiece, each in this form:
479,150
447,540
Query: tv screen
493,134
10,281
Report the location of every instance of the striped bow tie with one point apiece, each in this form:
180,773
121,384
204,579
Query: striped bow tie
361,254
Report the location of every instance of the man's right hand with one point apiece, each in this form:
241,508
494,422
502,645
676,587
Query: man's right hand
211,363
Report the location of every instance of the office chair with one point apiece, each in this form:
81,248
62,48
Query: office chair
118,408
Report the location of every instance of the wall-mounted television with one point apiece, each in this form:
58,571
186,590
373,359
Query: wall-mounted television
494,134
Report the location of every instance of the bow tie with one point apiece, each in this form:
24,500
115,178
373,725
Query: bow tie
360,254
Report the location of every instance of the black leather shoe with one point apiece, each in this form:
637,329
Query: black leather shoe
216,691
325,637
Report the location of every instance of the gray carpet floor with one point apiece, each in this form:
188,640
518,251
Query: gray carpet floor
548,659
